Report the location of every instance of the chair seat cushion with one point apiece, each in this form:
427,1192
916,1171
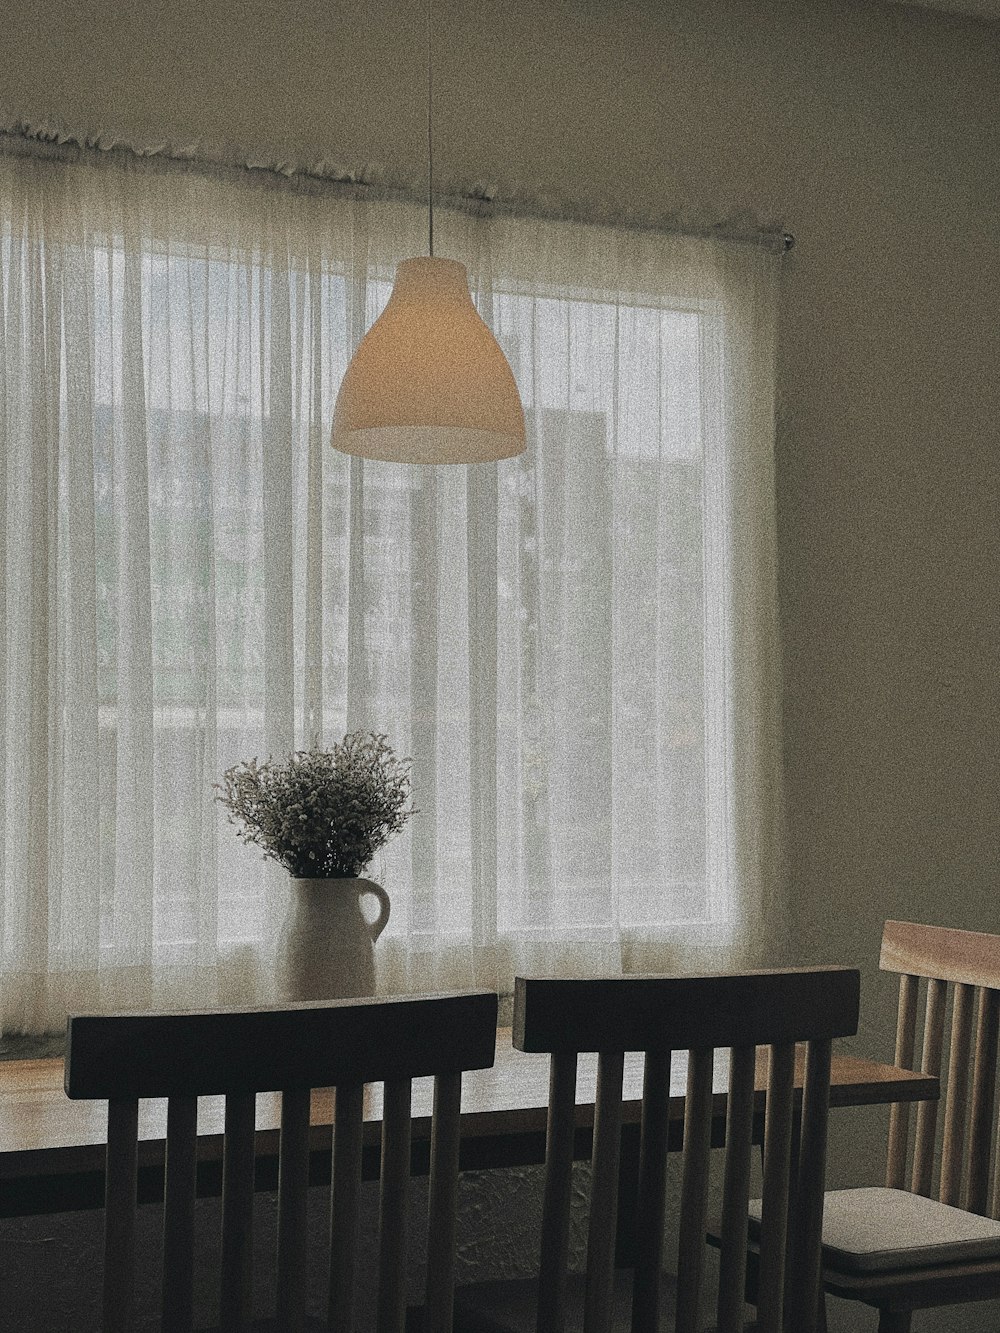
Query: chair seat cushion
878,1230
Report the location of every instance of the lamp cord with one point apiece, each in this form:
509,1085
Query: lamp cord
430,136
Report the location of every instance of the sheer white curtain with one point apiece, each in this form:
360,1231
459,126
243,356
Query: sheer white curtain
576,647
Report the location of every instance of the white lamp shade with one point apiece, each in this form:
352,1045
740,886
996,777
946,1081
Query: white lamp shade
429,383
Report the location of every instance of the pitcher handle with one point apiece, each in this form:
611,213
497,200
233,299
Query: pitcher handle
379,924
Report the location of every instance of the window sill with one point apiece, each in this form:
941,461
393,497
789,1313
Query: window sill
33,1048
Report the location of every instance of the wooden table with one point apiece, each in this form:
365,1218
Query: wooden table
52,1149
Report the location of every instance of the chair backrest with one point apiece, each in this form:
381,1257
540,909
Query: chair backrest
966,962
696,1015
238,1053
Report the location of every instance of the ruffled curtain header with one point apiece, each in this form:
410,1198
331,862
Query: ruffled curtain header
373,181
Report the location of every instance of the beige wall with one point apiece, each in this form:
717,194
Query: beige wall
871,132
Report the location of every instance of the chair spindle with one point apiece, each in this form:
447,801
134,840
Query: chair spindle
558,1187
984,1077
119,1215
694,1188
899,1113
604,1192
293,1195
237,1213
778,1120
393,1199
345,1196
445,1135
736,1188
180,1179
957,1102
652,1201
806,1255
930,1063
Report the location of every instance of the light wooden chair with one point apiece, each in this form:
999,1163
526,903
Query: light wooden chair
238,1053
660,1016
897,1248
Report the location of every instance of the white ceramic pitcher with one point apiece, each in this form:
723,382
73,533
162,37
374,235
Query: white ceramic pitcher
326,950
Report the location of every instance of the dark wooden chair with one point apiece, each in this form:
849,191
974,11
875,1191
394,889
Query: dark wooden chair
661,1016
898,1248
238,1053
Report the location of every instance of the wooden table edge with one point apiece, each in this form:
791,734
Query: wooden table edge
513,1134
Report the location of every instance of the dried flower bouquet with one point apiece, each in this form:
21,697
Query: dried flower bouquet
321,813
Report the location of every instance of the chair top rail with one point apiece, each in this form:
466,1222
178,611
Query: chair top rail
969,957
312,1045
683,1013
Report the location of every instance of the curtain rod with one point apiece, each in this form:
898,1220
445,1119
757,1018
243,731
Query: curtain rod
50,143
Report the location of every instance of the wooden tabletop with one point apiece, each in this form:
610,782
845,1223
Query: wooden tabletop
52,1149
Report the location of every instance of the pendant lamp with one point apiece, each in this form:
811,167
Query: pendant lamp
429,382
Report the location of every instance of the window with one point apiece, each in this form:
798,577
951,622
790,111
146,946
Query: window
575,647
